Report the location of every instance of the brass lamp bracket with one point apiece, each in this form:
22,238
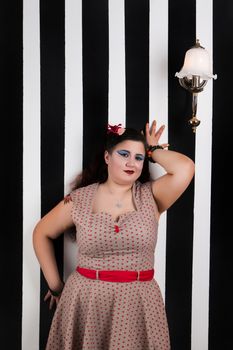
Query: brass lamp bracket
193,85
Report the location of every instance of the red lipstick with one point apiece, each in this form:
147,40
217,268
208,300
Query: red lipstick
130,172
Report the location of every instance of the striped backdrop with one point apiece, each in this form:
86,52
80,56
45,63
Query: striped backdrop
68,68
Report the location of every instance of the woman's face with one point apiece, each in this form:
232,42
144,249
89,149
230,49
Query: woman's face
125,162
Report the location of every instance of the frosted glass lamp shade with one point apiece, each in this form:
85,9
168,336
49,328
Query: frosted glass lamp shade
196,62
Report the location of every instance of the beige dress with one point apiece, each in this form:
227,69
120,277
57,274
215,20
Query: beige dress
100,315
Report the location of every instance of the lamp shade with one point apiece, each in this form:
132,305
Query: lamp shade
196,62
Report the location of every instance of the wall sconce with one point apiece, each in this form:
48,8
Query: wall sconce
194,75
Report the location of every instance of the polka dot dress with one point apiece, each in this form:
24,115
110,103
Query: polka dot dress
100,315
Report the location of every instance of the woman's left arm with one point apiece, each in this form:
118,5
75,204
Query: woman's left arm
178,167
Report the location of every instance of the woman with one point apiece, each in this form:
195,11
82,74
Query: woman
112,300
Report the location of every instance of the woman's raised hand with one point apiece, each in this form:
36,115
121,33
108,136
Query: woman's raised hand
153,135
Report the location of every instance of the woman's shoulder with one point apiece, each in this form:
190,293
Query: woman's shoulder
81,193
144,195
144,187
143,191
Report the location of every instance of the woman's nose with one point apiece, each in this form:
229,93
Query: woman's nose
130,162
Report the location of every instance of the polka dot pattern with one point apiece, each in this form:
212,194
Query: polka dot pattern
100,315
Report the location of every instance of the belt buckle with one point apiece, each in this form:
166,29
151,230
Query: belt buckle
97,274
138,276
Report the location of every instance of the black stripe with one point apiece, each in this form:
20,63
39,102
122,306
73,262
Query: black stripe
137,62
11,59
95,75
182,28
221,257
52,127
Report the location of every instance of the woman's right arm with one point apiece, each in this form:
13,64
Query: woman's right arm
51,226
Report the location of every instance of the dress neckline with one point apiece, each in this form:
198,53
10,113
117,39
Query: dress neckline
109,214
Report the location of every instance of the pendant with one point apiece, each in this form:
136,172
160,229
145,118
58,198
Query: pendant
118,205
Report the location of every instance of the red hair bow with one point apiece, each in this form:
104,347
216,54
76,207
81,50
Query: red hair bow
115,129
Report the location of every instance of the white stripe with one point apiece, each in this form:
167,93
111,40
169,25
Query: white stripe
31,172
158,109
74,110
201,242
117,102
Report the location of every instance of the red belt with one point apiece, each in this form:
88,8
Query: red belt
116,275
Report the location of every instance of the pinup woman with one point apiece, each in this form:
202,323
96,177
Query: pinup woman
112,300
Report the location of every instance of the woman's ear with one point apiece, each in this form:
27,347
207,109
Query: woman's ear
106,157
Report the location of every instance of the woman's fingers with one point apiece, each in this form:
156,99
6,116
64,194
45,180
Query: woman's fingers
153,127
51,302
151,130
48,294
52,299
160,131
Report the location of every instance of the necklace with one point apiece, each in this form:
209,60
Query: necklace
118,204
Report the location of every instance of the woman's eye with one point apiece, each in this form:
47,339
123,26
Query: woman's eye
123,154
140,158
